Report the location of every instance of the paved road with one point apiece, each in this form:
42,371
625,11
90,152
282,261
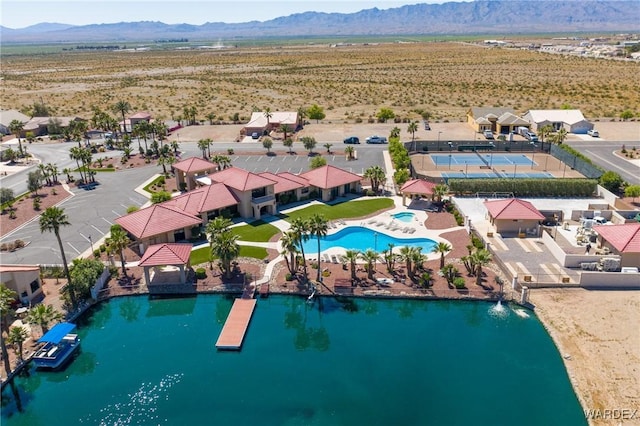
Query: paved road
601,153
92,212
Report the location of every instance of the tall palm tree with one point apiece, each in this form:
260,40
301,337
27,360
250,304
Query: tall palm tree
417,258
43,315
318,226
395,132
51,221
352,257
7,297
75,153
441,248
302,113
284,129
16,127
439,191
288,244
203,145
268,115
405,255
17,336
413,128
370,257
560,136
122,107
210,116
117,243
544,131
300,228
376,175
480,258
389,257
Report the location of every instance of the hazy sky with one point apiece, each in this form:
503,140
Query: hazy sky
23,13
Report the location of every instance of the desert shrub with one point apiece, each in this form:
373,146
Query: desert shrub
288,276
36,203
132,209
230,151
201,273
18,243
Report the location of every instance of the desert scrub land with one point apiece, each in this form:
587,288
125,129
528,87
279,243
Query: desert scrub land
350,82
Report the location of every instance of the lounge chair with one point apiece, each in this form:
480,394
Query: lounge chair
412,230
334,259
405,230
372,221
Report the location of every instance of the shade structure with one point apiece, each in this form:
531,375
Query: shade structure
57,333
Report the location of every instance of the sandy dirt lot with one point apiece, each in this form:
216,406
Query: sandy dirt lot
597,335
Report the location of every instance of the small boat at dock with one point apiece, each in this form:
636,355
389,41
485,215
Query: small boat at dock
59,345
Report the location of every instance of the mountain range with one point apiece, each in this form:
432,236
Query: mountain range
454,18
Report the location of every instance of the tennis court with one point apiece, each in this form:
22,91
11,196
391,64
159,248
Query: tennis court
481,159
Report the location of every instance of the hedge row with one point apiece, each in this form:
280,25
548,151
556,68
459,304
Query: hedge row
526,187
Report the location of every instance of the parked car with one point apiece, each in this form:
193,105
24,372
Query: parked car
532,137
376,139
255,135
488,134
351,139
593,133
427,126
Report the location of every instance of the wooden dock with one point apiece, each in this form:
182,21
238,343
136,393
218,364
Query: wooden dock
235,327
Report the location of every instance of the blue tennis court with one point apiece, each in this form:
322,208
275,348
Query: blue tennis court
481,159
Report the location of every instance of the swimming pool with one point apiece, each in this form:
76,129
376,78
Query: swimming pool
360,238
406,217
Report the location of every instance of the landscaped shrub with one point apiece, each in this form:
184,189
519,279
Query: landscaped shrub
477,242
96,253
18,243
201,273
458,282
288,277
526,187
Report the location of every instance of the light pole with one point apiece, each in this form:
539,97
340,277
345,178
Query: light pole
90,242
515,167
466,169
533,154
450,148
439,141
491,154
375,241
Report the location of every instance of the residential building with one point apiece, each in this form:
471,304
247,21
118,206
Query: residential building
259,123
24,280
7,116
332,182
187,171
513,215
571,120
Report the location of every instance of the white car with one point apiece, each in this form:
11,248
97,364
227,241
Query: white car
593,133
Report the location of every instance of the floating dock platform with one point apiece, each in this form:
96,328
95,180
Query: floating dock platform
235,327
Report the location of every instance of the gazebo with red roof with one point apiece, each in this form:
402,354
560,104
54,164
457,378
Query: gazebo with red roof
416,187
166,255
622,239
513,215
332,182
190,169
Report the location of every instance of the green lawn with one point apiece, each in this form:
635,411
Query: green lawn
256,231
201,255
346,210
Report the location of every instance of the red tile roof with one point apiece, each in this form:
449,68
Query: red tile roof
512,209
204,199
418,186
193,164
156,219
19,268
328,176
283,184
166,254
624,237
296,178
240,179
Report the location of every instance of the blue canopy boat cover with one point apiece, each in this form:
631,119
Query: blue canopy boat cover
57,333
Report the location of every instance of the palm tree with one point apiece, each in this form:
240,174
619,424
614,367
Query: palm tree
405,255
122,107
439,191
544,131
559,137
288,244
395,132
441,248
300,229
17,336
284,129
376,175
318,226
117,243
349,151
210,116
51,221
7,297
328,146
268,114
225,247
203,145
16,127
302,113
413,128
52,169
75,153
480,258
352,256
389,258
370,257
417,258
43,315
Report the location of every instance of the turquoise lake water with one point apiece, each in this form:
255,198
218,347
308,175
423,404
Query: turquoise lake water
354,362
361,238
